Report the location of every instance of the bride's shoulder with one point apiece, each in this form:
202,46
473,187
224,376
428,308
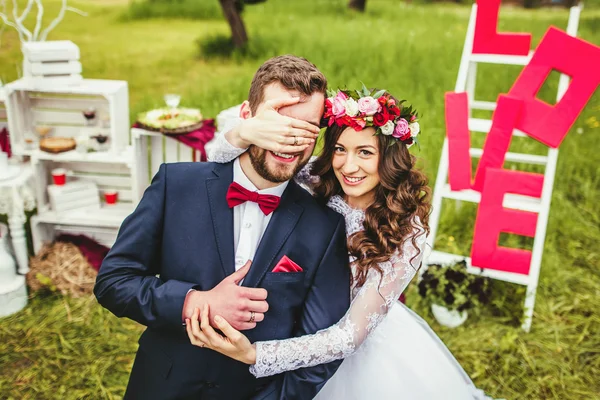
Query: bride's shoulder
337,203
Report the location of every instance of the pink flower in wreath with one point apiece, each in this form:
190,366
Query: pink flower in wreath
401,128
339,105
361,122
368,105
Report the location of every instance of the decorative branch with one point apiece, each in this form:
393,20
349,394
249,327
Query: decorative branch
3,12
26,10
77,11
7,22
64,8
38,20
19,21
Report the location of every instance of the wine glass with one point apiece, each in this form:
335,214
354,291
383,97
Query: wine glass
89,114
101,140
172,101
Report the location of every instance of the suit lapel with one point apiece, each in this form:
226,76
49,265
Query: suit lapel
221,214
281,225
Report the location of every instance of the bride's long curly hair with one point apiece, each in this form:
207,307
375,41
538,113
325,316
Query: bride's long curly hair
401,194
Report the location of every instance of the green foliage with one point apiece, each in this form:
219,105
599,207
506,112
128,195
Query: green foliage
189,9
221,47
453,287
72,349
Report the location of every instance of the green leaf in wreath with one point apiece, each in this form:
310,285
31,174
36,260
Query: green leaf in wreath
365,91
379,94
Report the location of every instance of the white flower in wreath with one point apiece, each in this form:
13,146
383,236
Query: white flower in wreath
351,107
414,129
388,128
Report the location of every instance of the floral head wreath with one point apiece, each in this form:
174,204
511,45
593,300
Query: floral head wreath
364,108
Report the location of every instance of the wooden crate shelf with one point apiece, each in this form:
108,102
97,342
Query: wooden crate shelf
61,107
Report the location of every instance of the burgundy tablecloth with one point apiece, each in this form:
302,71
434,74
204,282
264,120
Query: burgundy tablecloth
197,139
5,142
93,251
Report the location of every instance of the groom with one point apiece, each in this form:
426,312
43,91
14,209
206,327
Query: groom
188,243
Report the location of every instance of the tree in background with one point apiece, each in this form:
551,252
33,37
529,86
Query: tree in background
232,10
358,5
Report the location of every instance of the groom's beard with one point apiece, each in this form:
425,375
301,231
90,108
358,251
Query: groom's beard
274,171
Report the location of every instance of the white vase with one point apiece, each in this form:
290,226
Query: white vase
13,293
449,318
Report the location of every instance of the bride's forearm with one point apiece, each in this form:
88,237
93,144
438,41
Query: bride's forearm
234,137
250,357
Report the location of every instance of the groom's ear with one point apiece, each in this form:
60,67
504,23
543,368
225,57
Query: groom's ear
245,111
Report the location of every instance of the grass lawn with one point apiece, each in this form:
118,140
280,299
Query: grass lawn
67,348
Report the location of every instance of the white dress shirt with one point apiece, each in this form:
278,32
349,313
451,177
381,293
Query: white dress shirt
249,221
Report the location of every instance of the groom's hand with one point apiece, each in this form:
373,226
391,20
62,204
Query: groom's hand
229,300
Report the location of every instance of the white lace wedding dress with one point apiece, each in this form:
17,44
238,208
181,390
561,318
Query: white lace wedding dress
389,352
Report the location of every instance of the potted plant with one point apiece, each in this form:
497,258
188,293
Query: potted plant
452,291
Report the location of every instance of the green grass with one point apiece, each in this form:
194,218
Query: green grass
140,9
66,348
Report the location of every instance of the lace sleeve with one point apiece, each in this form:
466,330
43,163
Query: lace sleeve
221,151
304,178
367,310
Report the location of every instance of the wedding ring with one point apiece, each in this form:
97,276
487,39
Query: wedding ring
252,316
295,140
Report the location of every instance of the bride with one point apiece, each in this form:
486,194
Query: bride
366,173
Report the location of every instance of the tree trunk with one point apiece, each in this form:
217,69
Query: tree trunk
236,23
358,5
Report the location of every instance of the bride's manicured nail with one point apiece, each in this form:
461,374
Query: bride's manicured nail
218,319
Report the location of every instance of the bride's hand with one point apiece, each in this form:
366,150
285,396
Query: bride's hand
273,131
234,344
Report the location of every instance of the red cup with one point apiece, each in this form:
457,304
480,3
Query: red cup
59,176
111,197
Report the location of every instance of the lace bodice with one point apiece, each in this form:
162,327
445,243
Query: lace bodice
370,302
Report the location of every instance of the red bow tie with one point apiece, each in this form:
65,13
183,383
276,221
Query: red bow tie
237,194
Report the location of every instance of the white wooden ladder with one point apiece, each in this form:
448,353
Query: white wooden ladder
465,82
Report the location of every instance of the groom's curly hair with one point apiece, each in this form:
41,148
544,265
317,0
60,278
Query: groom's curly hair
401,195
292,72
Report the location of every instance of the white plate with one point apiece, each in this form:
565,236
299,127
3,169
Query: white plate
13,172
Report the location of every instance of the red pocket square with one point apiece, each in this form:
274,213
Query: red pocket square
286,265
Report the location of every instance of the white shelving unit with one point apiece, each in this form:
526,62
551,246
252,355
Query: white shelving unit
61,107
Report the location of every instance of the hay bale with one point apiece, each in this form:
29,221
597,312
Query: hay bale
61,267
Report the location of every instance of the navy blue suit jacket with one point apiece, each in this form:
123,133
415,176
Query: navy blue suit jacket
180,237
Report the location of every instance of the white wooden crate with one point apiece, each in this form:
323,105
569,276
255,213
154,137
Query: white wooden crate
45,229
61,107
41,51
75,194
108,174
150,150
